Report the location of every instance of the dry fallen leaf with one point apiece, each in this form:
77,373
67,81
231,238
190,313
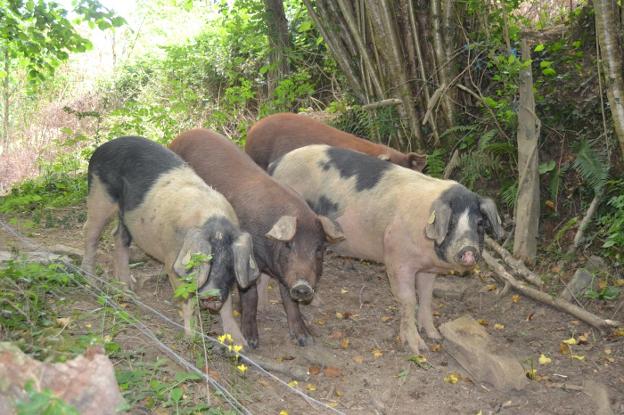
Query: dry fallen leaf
452,378
564,348
386,318
283,412
336,334
320,322
578,357
236,313
602,284
530,316
314,370
343,291
293,383
344,343
515,298
339,315
619,332
499,326
358,359
332,372
483,322
376,353
619,282
311,387
63,321
491,287
544,360
571,341
436,347
583,338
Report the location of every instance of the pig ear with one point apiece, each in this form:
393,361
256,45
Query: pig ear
417,161
245,266
284,229
384,157
193,243
333,231
488,208
438,222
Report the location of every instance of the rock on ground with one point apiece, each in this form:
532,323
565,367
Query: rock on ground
579,282
87,382
473,348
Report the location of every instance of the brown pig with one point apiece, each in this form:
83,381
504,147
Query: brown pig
416,225
277,134
289,238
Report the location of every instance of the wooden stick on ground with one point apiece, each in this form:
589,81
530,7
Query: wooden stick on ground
586,316
517,265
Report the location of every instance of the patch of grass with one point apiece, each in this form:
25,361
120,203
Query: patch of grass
43,402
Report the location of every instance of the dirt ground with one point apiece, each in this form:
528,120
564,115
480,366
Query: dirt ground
356,364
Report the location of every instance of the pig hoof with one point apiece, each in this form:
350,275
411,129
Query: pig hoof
305,341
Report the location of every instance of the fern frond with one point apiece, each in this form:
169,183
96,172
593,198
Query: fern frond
592,164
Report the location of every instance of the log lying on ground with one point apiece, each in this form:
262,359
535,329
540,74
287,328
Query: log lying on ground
584,315
517,265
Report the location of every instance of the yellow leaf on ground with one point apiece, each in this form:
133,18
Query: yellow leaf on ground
515,298
583,338
452,378
320,322
386,318
332,372
376,353
344,343
63,321
339,315
499,326
358,359
283,412
544,360
311,387
578,357
483,322
314,370
292,383
491,287
343,291
571,341
436,347
619,332
619,282
236,313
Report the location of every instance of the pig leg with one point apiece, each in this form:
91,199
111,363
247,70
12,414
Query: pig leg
249,307
296,325
262,285
122,256
424,282
229,324
187,315
100,208
402,283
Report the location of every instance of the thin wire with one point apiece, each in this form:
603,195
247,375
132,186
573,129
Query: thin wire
163,317
93,289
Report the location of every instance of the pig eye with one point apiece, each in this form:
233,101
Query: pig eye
288,245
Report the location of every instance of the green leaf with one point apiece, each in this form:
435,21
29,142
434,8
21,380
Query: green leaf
176,394
539,47
547,166
549,72
545,64
186,376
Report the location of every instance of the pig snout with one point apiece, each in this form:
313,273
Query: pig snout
302,292
468,256
212,303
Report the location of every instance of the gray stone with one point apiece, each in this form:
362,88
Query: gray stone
485,361
34,256
600,395
577,285
87,382
596,264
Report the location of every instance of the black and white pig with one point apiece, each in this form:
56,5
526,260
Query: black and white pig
170,213
418,226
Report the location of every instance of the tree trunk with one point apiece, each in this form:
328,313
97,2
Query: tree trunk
439,48
5,98
528,201
279,42
608,27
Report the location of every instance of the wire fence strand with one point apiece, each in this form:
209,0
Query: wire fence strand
92,279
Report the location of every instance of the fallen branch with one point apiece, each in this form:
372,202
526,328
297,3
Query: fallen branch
433,102
504,276
585,222
517,265
382,103
292,371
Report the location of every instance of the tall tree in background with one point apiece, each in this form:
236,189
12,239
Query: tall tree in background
396,52
279,42
609,30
